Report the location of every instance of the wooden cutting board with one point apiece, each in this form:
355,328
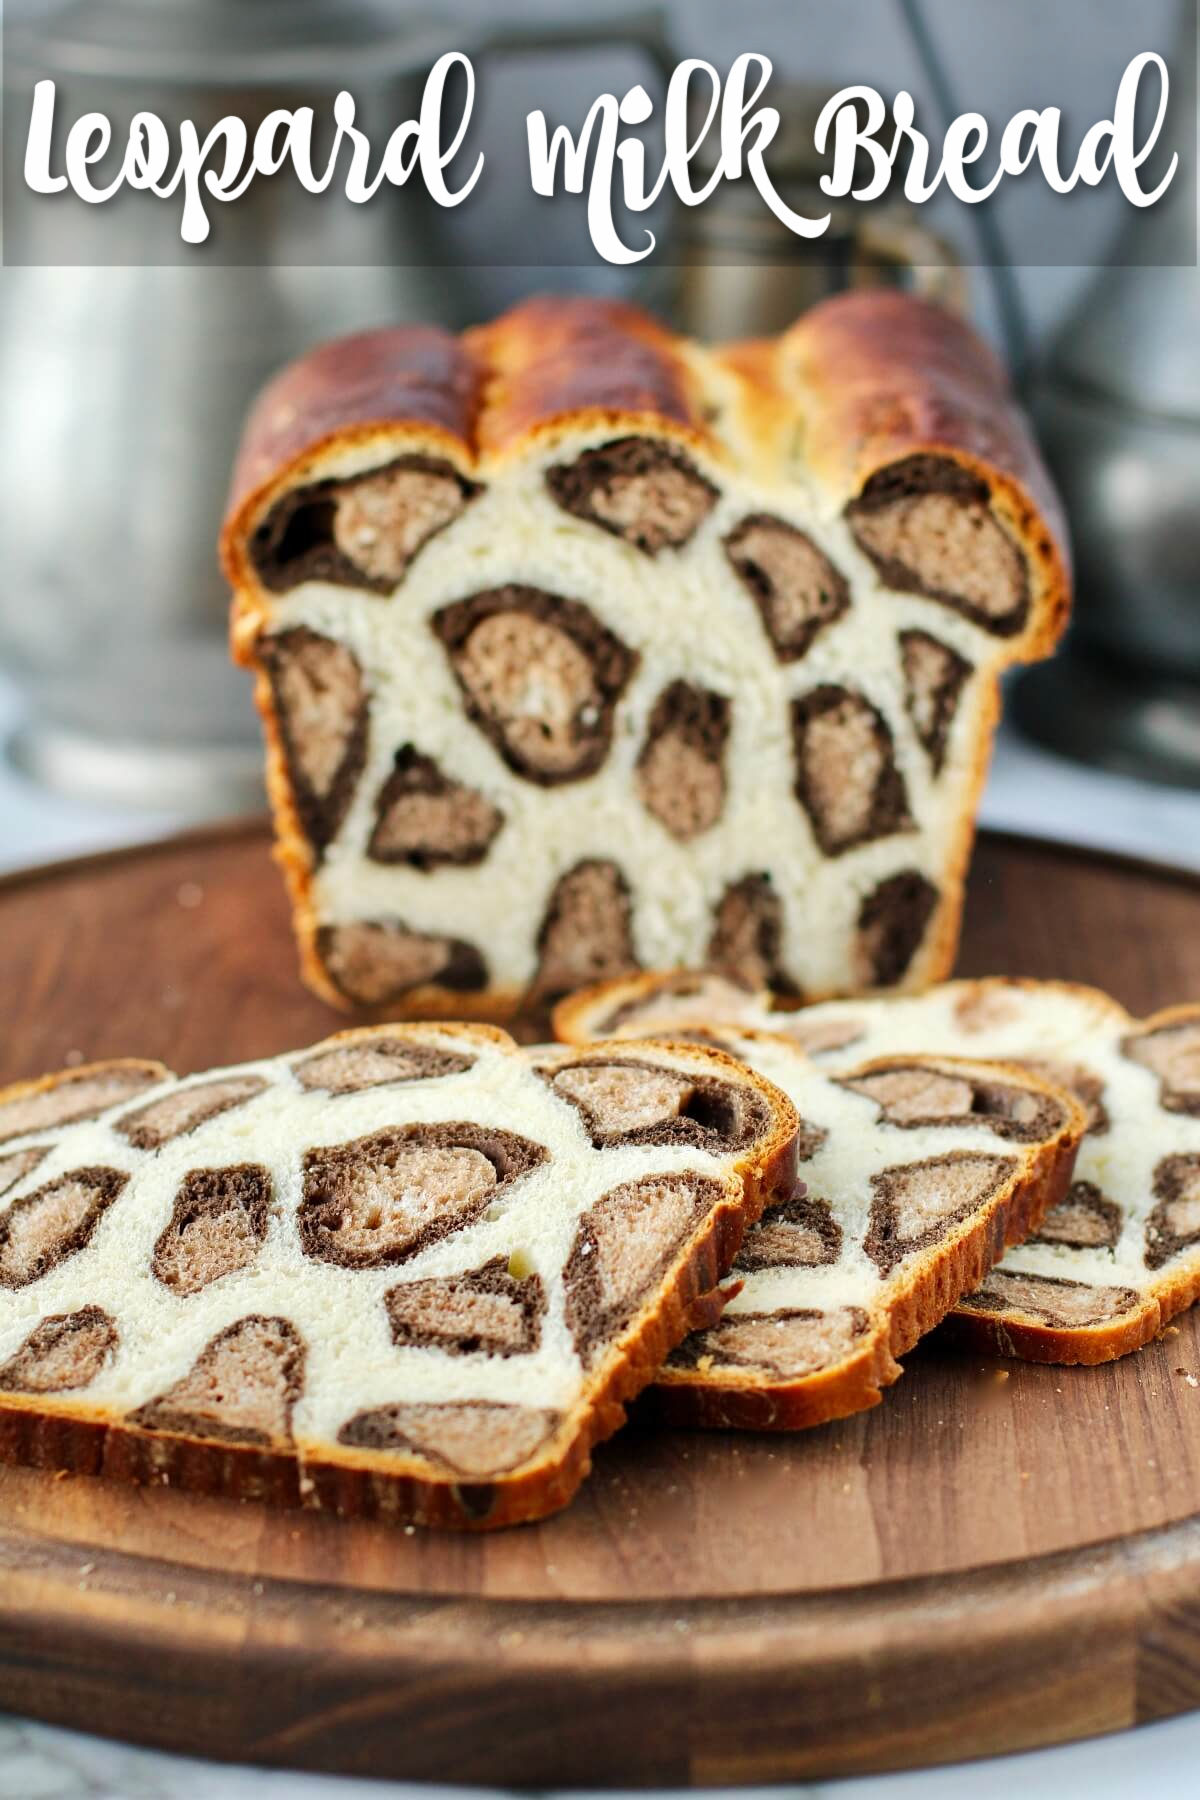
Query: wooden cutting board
999,1556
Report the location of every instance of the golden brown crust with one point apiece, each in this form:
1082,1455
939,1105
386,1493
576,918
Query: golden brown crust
576,1018
888,377
955,1266
580,1018
552,361
54,1432
548,362
417,378
40,1084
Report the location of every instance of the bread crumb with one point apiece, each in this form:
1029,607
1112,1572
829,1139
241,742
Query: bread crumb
189,894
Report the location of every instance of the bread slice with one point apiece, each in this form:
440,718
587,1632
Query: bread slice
401,1274
918,1172
1120,1256
582,648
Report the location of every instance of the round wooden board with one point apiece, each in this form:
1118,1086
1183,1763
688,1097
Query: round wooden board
999,1556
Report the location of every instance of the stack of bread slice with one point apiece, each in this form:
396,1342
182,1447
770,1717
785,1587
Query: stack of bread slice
1120,1255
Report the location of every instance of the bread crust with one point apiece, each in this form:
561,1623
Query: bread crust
869,379
49,1432
887,377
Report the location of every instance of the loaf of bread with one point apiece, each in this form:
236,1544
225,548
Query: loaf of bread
918,1172
406,1273
1120,1256
581,648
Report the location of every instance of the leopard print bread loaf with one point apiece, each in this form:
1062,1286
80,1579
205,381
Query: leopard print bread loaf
918,1171
1120,1256
582,648
403,1273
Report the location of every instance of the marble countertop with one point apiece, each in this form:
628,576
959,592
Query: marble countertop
1028,791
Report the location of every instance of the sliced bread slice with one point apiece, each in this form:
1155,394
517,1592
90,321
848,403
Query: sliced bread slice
1120,1257
919,1171
402,1274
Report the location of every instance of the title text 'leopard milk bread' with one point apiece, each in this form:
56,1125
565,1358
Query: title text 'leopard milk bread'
582,648
918,1172
1121,1255
401,1274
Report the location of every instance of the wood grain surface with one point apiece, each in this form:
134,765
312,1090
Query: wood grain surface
999,1556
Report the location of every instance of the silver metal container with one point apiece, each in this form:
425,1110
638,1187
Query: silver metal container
127,375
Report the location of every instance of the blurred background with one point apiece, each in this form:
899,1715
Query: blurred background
126,372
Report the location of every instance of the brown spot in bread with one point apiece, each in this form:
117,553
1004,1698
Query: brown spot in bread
185,1108
1174,1225
486,1311
1087,1088
67,1350
42,1229
846,775
376,1061
586,934
540,676
926,524
1172,1051
915,1204
983,1007
680,771
475,1438
217,1225
635,1102
240,1390
795,1234
934,678
361,530
382,1198
640,489
747,940
1051,1299
915,1096
374,961
892,922
623,1247
820,1037
791,1343
17,1165
682,996
794,585
70,1098
425,820
320,698
1085,1220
